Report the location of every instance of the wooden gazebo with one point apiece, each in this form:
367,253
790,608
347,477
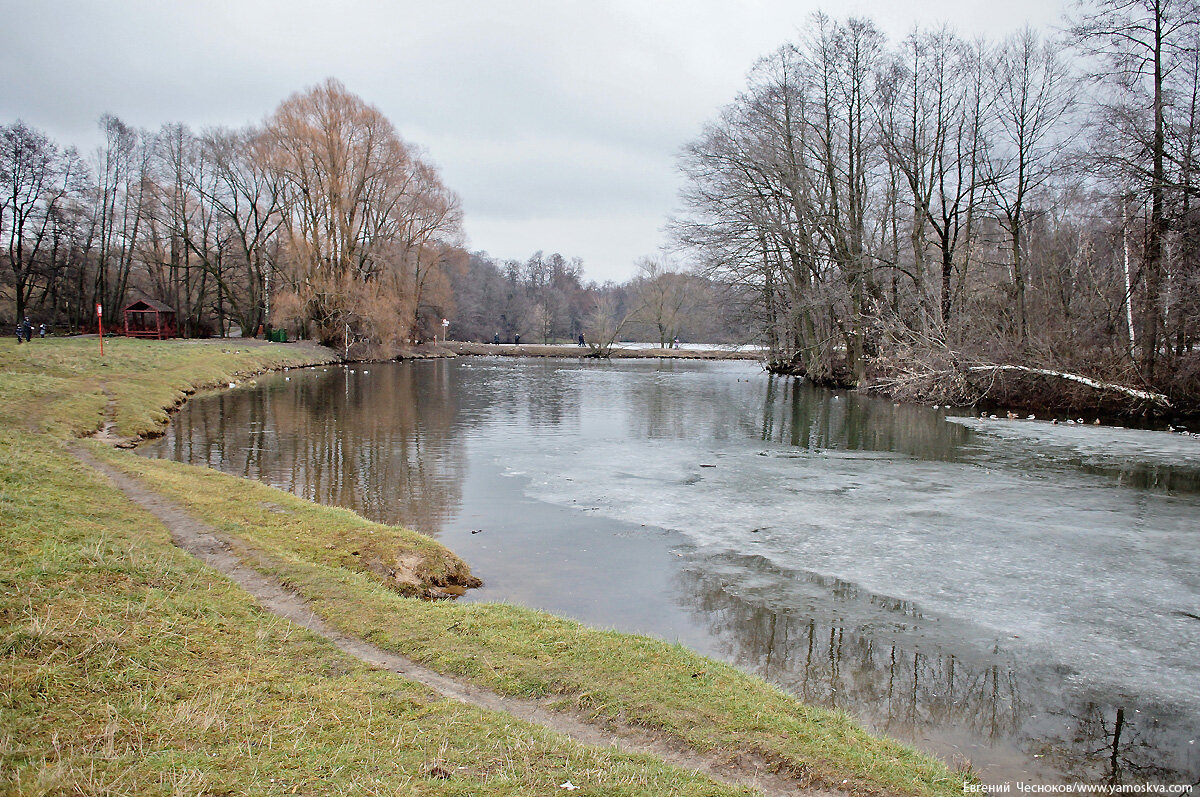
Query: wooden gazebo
147,318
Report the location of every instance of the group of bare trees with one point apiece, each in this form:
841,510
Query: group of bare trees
664,302
546,299
943,201
542,299
320,220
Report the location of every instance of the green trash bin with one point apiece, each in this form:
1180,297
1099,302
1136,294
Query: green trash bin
277,336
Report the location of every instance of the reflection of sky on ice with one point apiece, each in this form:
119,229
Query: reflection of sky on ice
1013,542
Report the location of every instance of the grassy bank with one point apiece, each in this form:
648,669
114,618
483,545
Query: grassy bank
131,668
64,387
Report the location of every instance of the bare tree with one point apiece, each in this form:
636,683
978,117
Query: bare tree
1184,136
119,211
541,321
246,192
782,194
183,245
933,118
1033,100
34,180
660,296
755,214
1136,46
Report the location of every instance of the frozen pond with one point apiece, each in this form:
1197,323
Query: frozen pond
1022,595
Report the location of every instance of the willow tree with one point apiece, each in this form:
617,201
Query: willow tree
429,223
662,296
361,215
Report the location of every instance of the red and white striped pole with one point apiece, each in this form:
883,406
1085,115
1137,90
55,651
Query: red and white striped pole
100,326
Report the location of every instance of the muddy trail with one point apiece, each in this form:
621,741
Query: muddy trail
236,562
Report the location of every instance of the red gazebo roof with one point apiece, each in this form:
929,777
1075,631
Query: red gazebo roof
147,318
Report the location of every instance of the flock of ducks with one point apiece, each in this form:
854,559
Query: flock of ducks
1012,416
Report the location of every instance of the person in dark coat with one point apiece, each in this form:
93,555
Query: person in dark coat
27,329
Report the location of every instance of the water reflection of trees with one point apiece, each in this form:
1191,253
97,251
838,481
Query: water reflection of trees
832,663
799,414
680,400
864,653
385,446
1123,744
671,405
386,440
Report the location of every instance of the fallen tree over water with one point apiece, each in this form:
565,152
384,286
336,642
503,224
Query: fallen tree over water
1140,395
945,378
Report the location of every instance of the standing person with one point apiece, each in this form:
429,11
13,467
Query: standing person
42,331
27,329
581,343
517,339
496,338
19,339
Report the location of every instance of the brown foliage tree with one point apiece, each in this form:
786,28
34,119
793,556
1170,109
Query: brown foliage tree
362,213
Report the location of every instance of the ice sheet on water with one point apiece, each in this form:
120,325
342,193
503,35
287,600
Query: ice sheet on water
1137,457
1075,570
1145,444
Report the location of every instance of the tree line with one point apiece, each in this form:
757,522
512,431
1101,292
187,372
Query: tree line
546,299
907,213
320,221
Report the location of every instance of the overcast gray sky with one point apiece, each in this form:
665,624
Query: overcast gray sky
557,123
